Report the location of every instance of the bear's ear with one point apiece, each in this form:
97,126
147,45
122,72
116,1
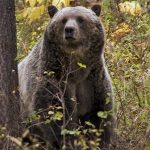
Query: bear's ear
97,9
52,10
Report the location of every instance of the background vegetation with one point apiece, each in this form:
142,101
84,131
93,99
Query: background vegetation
127,55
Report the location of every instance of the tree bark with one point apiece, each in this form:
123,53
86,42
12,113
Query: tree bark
9,96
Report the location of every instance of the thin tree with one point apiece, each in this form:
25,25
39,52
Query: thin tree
9,97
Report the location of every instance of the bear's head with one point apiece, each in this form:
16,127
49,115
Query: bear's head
74,27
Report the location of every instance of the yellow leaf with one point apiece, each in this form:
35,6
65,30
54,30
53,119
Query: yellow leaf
35,14
121,30
50,112
42,9
40,1
60,3
32,3
26,11
133,8
136,9
124,7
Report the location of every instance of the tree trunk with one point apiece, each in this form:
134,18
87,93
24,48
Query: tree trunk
9,96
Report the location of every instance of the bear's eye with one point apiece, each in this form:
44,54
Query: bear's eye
64,20
80,19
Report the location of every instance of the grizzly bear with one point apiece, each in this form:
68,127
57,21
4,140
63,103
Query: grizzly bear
67,68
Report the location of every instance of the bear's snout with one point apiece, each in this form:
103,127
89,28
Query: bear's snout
71,30
69,33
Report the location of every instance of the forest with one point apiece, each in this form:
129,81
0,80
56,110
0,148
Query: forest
127,56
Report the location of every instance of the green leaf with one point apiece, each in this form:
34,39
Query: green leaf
102,114
64,131
81,65
57,116
70,132
47,121
89,124
74,132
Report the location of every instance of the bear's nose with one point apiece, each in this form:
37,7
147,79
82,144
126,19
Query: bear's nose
69,30
69,33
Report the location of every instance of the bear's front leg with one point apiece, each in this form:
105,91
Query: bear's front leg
46,104
104,105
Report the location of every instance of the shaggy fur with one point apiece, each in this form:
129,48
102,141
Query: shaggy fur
83,90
